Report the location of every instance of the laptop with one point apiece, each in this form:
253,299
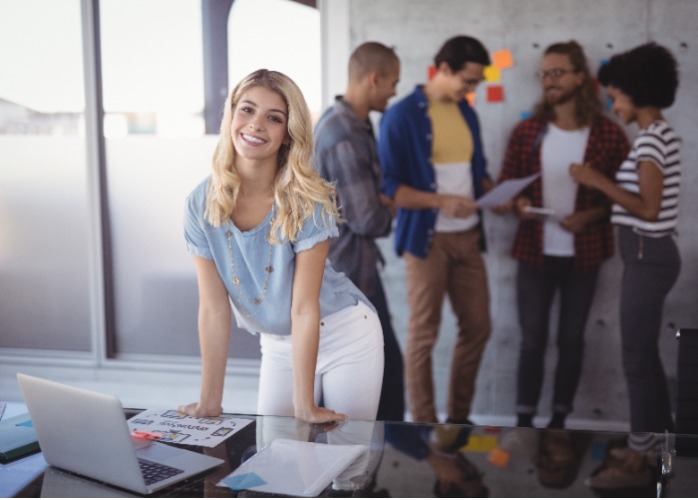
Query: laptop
85,432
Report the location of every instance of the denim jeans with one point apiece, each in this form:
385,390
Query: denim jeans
536,289
650,269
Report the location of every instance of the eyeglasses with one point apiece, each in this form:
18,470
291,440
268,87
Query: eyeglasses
554,73
471,83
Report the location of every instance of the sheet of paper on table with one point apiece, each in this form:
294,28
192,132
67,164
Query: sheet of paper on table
171,426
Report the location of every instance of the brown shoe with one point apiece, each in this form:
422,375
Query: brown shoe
556,464
613,478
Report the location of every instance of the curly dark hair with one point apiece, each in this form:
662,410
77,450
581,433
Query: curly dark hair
648,74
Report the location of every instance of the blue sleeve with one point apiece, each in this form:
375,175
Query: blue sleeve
194,234
412,440
319,227
391,153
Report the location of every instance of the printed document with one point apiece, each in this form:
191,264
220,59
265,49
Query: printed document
171,426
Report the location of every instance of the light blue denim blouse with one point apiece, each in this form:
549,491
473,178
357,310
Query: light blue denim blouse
251,255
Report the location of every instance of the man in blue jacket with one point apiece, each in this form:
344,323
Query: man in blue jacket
434,168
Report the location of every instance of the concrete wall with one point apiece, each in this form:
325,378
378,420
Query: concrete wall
417,28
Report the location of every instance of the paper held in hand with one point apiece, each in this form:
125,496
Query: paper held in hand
502,193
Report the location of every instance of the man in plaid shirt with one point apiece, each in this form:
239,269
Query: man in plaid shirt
564,232
345,154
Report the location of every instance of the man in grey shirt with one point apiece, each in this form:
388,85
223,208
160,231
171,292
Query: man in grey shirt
345,153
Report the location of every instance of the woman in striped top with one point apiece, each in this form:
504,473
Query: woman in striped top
642,82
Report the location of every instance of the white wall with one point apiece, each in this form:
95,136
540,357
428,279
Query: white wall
417,28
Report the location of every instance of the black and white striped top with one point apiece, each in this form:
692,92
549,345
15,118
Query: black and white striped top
660,145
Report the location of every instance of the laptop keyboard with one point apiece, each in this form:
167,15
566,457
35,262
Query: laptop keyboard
153,472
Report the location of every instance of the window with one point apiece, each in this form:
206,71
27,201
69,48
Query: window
44,209
157,151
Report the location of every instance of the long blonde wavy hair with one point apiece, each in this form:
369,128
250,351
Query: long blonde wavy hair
297,186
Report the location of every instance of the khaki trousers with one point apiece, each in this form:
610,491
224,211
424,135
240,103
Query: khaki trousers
455,267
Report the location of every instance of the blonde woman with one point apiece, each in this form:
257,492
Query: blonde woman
258,228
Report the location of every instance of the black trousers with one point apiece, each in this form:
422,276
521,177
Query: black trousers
650,269
392,401
536,289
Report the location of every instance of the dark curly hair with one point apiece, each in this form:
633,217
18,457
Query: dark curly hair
648,74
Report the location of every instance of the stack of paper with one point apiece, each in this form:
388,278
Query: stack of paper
296,468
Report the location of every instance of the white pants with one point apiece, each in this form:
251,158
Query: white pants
349,370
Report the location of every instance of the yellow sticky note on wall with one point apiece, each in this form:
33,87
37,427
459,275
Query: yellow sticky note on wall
481,443
492,74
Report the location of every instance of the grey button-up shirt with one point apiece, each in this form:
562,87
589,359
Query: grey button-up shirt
345,154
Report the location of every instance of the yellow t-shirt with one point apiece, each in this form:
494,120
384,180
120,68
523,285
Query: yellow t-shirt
452,154
452,140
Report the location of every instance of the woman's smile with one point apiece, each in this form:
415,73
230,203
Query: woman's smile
252,139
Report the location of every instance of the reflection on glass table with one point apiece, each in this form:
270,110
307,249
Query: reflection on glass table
418,460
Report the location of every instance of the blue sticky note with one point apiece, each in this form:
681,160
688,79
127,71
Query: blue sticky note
525,114
26,423
598,451
243,481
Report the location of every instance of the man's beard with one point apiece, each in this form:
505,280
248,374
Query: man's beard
560,98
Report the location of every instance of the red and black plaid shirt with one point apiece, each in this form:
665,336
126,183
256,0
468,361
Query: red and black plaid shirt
606,149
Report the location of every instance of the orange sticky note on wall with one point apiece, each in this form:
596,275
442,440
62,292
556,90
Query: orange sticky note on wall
499,457
470,97
495,93
503,59
431,71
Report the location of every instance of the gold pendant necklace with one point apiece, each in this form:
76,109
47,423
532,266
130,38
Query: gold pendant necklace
269,269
